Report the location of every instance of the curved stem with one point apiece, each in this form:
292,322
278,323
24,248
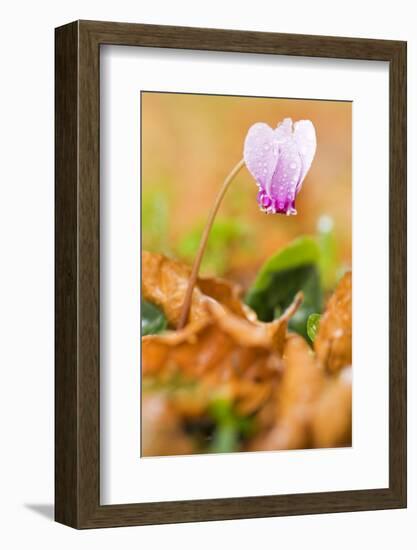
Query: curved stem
185,312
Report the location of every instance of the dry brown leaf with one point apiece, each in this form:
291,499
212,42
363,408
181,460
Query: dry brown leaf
333,343
256,333
224,352
162,433
302,382
226,293
164,283
300,399
303,377
206,353
203,344
332,422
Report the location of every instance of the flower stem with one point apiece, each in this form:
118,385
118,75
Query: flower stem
185,312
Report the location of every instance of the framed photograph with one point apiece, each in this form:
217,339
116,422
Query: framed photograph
230,274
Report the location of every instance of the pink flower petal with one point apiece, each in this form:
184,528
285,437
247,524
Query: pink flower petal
284,130
305,138
260,153
279,161
286,178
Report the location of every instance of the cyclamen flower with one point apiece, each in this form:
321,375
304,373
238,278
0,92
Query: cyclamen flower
279,161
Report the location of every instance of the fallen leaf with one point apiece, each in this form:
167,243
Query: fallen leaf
164,283
226,293
292,396
239,358
256,333
333,342
332,420
302,382
162,433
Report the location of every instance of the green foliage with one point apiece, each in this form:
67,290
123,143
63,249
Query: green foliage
155,221
153,319
313,325
175,383
328,264
290,270
230,427
225,236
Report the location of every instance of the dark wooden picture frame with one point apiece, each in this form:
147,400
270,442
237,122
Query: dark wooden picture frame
77,360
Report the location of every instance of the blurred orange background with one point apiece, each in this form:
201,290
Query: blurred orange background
191,142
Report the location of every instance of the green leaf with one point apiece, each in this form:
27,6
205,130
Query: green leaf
328,252
153,319
155,218
225,439
313,325
225,236
290,270
230,427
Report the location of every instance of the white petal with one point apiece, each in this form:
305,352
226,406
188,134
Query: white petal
283,131
260,153
305,138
